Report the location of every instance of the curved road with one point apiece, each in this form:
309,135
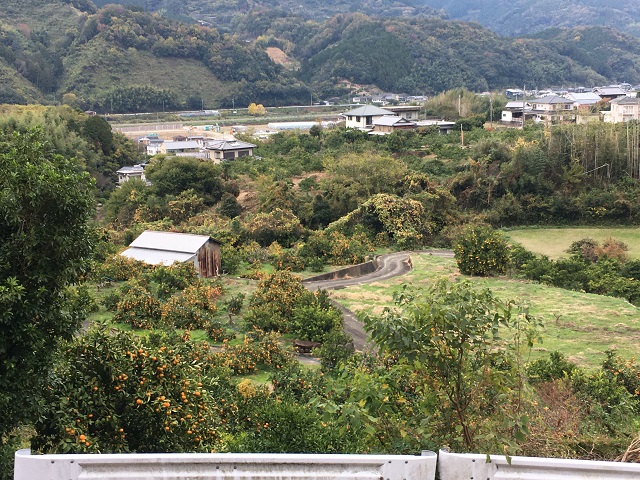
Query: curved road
389,266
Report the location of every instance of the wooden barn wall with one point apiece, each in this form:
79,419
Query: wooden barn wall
209,260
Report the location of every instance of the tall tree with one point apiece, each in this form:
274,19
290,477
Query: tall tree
45,243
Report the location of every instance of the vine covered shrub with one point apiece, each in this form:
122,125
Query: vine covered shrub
481,251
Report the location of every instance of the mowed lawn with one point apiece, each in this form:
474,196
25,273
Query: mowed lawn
582,326
554,242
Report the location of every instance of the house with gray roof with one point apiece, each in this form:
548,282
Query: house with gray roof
553,109
363,117
584,101
391,123
181,147
127,173
624,109
610,92
165,248
218,150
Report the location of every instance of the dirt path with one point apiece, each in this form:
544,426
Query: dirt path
389,266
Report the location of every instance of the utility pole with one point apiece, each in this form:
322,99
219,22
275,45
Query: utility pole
524,96
491,110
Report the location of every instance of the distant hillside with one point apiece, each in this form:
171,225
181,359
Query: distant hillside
433,55
127,60
123,60
521,17
505,17
221,13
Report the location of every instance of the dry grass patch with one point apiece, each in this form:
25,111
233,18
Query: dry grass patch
582,326
554,242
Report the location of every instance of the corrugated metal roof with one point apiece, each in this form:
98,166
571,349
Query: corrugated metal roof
170,241
157,257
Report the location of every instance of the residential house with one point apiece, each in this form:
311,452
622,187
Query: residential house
553,109
184,147
513,112
514,93
444,127
408,112
584,101
165,248
127,173
391,123
624,109
609,93
219,150
363,117
152,143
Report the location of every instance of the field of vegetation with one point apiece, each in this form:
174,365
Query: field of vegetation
136,358
580,325
555,242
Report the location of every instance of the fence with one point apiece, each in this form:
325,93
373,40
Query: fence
187,466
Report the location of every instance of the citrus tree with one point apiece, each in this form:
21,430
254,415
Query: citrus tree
112,391
46,202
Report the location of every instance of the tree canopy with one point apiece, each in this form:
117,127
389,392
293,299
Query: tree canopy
46,202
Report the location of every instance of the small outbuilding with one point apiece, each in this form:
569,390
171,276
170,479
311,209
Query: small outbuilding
165,248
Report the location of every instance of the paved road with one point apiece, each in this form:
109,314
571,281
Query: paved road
389,266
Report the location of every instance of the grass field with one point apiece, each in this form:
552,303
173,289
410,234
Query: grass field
582,326
555,241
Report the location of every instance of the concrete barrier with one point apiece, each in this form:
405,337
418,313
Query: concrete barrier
347,272
224,466
472,466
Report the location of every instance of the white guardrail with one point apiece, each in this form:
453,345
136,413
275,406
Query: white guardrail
223,466
472,466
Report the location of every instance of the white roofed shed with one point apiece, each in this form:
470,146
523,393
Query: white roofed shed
165,248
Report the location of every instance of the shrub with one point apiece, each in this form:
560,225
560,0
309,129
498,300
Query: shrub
336,348
519,256
553,368
235,303
313,321
118,268
481,251
257,349
137,306
110,301
274,301
218,332
172,278
192,309
586,248
118,392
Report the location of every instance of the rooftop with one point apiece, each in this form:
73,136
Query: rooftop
368,111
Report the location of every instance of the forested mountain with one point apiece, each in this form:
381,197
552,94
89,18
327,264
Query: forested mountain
222,13
519,17
127,60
